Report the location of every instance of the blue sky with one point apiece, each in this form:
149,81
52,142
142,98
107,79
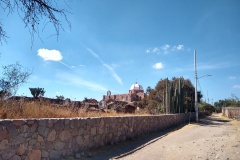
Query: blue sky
114,43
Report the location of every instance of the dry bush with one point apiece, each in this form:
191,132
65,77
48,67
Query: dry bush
12,109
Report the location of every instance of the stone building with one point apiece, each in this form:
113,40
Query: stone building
136,93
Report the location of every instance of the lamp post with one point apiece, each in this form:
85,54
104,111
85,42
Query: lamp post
196,78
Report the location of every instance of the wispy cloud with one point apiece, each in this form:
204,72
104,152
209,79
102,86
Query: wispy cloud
165,49
236,86
158,65
71,67
79,82
52,55
108,67
179,47
231,77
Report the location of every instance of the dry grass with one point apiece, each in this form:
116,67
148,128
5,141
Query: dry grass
22,110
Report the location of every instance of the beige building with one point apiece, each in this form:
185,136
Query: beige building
136,93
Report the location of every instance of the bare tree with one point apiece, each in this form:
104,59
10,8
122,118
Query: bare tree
13,76
32,12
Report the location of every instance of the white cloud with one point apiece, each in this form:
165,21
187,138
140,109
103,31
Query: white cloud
148,51
110,69
79,82
165,49
179,47
236,86
155,50
231,77
50,55
158,65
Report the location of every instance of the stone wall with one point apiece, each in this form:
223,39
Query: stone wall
35,139
231,112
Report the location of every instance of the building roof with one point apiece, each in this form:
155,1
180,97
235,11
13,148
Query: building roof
136,86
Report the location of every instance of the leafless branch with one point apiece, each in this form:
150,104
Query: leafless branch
32,12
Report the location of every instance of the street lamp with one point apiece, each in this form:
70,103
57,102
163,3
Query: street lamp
196,78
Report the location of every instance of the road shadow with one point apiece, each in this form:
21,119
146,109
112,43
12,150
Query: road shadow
110,151
213,120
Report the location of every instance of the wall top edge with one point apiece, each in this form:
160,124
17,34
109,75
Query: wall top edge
86,118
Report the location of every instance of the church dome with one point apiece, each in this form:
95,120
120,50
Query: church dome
136,86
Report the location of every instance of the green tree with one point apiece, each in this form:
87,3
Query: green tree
36,92
233,101
61,97
154,107
149,90
178,94
206,107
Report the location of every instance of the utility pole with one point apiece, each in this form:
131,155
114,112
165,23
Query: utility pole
207,97
195,77
167,106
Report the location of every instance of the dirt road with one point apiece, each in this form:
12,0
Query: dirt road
214,137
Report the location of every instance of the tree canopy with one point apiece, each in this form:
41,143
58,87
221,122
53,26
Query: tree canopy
176,94
36,92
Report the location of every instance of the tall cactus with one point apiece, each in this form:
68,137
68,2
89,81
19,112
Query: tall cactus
174,96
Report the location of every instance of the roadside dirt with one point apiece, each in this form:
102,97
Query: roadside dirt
214,137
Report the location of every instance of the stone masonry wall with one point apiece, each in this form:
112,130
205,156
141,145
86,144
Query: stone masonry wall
231,112
36,139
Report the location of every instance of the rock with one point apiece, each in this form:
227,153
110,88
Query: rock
79,140
3,134
58,126
52,136
43,122
34,127
12,130
16,157
4,144
24,128
93,131
49,146
77,155
21,149
18,140
45,154
41,130
59,145
64,135
18,122
35,155
55,155
8,154
39,138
